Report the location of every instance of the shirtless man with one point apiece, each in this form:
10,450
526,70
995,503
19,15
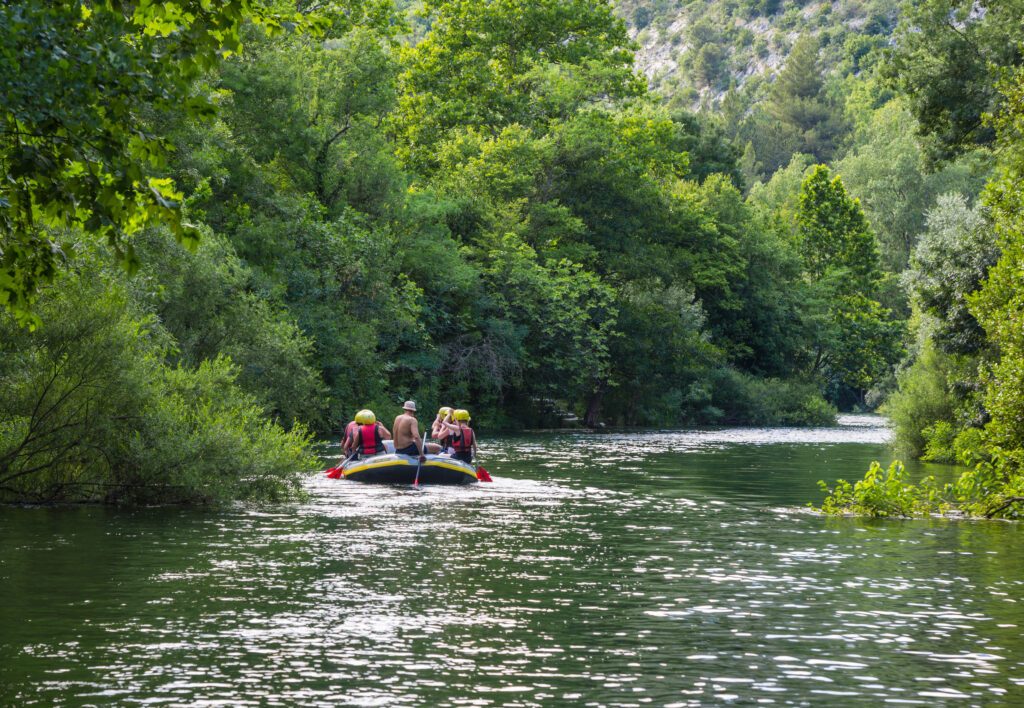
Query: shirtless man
407,433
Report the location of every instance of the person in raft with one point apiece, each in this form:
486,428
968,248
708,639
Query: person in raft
368,436
346,438
407,432
463,439
441,431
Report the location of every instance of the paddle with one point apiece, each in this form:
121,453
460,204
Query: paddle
336,472
482,475
419,462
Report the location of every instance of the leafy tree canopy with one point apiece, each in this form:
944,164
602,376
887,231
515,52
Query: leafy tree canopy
79,82
492,64
948,54
834,234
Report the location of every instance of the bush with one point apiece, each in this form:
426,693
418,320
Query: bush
922,400
992,488
207,440
746,400
90,410
938,442
884,493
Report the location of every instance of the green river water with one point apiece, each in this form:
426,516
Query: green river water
617,569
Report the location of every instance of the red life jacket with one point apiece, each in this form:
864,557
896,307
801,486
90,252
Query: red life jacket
368,440
463,443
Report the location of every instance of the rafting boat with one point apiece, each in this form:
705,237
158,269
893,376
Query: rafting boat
389,468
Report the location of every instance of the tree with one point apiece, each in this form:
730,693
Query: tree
858,341
315,109
492,64
797,100
709,149
952,261
885,170
834,233
994,483
92,409
947,58
79,83
998,306
207,301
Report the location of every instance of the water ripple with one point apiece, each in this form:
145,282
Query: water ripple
611,569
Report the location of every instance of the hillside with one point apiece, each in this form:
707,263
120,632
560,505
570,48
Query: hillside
694,51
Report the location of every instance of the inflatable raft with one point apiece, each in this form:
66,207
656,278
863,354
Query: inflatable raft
388,468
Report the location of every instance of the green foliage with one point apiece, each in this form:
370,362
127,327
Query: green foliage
922,400
805,115
710,150
885,493
489,65
661,359
205,300
939,442
947,58
868,342
885,170
564,315
834,233
747,400
314,110
857,341
92,410
79,82
779,197
998,306
950,262
494,215
207,441
961,398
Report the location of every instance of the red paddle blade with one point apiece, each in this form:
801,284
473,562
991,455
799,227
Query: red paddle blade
334,473
483,475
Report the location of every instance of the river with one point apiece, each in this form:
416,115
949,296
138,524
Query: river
613,569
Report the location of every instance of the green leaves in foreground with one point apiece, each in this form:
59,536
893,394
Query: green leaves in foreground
883,493
986,490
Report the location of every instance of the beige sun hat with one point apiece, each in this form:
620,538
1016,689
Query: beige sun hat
410,406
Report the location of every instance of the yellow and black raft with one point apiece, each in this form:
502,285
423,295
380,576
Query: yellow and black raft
389,468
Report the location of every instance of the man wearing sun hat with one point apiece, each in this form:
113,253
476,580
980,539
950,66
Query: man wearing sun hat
406,431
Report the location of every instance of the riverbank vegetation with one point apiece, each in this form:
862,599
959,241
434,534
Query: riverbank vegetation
961,398
265,215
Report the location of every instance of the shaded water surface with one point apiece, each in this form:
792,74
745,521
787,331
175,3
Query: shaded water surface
599,569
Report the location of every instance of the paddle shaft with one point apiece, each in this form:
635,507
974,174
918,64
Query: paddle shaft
419,462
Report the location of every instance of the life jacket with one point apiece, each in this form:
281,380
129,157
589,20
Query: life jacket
464,442
368,440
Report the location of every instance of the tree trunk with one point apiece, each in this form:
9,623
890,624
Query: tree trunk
592,418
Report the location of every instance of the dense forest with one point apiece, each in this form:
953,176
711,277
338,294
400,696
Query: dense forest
229,225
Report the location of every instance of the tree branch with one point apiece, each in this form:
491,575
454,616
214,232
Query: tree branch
1006,503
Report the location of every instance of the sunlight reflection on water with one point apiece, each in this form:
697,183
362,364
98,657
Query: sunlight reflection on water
618,569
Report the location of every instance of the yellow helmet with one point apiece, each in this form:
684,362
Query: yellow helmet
366,417
461,414
444,411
